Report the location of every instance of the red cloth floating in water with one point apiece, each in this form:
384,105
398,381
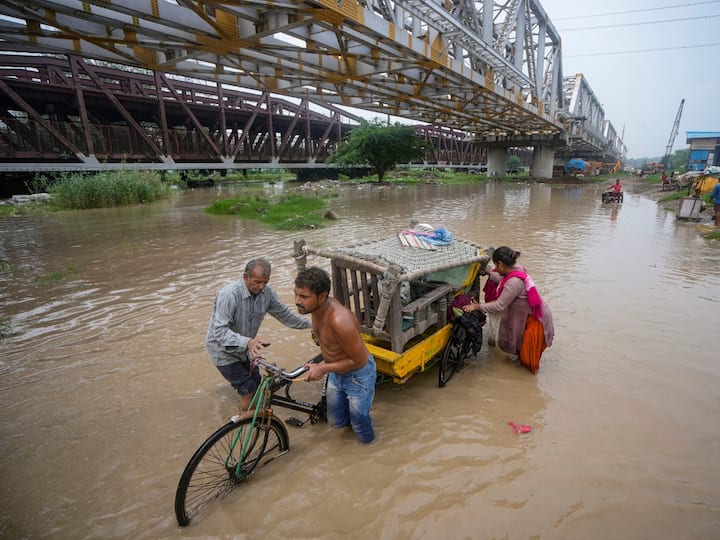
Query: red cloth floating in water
522,428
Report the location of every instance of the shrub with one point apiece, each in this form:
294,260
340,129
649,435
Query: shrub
289,212
107,189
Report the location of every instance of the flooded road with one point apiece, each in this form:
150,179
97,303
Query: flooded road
106,389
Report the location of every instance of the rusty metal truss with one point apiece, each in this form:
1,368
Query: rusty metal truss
73,114
70,109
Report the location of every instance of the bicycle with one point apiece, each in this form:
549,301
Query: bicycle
465,340
229,456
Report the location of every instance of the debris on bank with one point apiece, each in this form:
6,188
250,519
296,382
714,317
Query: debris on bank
35,197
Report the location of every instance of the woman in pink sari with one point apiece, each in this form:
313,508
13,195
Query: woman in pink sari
526,323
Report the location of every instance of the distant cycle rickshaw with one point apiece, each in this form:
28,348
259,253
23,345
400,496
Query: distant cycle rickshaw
612,197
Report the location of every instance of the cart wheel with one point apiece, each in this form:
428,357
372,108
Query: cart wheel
453,359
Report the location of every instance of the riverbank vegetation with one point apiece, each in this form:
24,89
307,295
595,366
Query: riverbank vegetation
411,176
399,175
200,178
106,189
674,196
651,187
286,212
25,209
79,191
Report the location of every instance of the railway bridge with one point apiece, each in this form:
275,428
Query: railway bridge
481,71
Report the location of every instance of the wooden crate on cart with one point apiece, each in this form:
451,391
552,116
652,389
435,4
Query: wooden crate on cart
400,295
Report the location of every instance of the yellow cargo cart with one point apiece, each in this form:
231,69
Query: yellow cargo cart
400,296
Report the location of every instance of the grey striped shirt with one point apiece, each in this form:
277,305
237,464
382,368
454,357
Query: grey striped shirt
236,319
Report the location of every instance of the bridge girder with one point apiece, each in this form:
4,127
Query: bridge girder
68,114
589,133
481,67
492,69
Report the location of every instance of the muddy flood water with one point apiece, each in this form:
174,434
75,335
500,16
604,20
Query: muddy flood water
106,389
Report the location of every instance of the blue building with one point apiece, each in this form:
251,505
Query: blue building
704,149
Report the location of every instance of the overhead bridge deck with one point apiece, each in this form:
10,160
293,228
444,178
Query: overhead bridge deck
491,70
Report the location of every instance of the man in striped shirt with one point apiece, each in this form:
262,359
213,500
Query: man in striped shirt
239,309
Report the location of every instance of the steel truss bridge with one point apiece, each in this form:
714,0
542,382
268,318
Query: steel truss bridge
67,114
491,70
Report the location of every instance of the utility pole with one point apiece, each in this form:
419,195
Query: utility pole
673,134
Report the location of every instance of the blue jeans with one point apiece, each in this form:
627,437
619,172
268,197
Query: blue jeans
349,397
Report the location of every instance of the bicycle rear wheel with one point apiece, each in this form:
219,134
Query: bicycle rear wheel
212,472
453,359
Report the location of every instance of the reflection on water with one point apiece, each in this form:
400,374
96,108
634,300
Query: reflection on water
106,389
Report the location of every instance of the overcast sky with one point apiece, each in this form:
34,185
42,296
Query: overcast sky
641,91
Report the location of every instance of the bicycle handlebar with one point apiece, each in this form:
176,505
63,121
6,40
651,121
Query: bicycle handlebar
280,372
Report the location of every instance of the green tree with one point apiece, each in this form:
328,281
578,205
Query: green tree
679,160
380,147
513,163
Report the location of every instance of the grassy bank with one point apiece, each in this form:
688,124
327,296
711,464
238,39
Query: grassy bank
25,209
77,191
179,178
426,176
287,212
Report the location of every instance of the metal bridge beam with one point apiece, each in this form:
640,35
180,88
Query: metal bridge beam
74,111
489,68
78,115
475,66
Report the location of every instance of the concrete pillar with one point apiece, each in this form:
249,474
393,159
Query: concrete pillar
542,163
497,162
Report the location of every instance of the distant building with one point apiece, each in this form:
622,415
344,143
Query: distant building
704,149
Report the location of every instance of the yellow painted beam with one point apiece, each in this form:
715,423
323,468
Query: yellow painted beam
228,22
345,10
154,8
222,46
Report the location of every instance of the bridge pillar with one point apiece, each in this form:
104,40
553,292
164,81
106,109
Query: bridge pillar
497,162
542,163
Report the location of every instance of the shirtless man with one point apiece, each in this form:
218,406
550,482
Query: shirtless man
351,367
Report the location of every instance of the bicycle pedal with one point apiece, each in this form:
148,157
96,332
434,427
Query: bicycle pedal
294,422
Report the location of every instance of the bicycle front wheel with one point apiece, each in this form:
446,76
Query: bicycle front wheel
213,471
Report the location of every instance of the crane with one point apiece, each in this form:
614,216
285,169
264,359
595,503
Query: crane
673,133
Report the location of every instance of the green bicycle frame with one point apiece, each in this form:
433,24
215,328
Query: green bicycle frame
256,402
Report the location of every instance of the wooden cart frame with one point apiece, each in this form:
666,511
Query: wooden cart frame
400,296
